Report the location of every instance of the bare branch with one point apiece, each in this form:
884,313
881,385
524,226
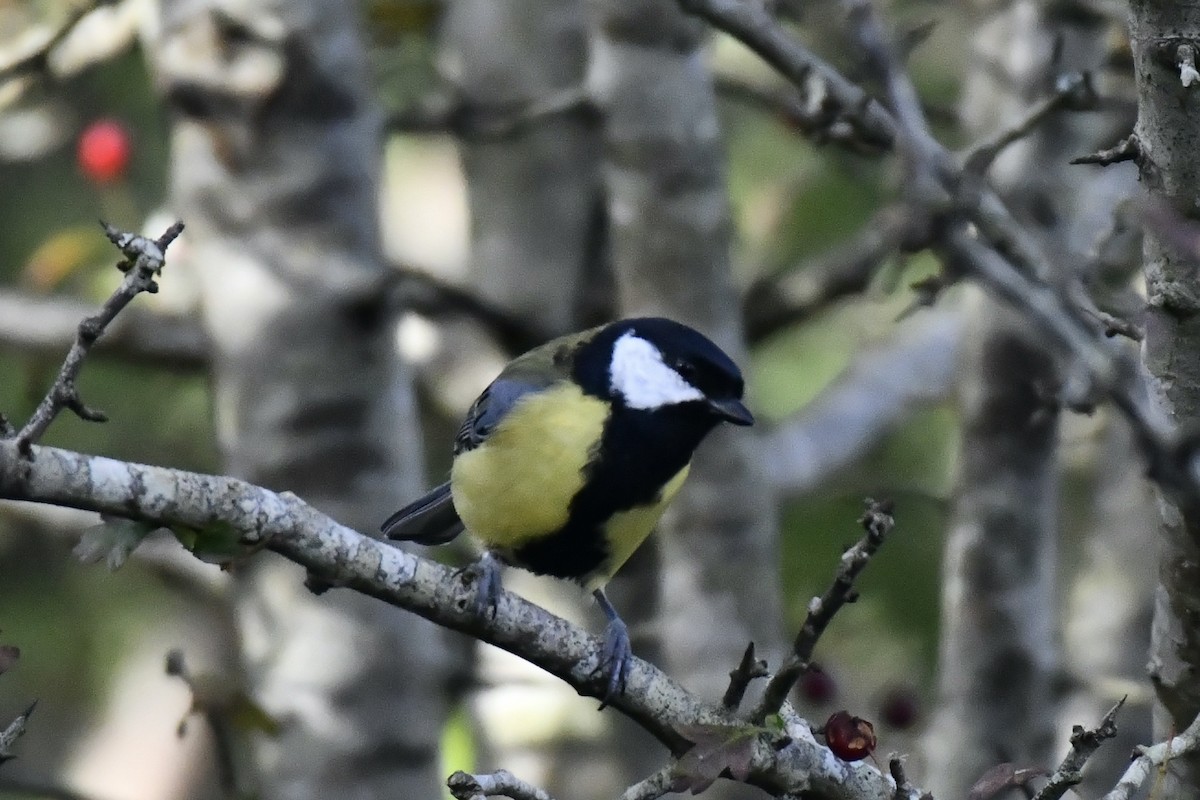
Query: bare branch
145,258
1155,756
501,783
1128,149
878,522
881,386
444,112
1083,744
792,762
803,111
14,731
778,301
1074,90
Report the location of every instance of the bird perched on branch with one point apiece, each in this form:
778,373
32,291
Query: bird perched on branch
566,462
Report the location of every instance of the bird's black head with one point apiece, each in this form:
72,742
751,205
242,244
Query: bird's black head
652,364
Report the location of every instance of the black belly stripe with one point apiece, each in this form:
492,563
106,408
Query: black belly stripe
639,452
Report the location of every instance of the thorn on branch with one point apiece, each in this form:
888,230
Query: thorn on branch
1128,149
143,259
740,677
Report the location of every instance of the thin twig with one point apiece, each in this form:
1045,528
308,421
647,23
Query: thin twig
740,676
144,259
781,300
806,112
1128,149
501,783
14,731
1084,743
878,522
1073,90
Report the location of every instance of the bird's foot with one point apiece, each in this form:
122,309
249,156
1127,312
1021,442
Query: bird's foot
485,575
616,659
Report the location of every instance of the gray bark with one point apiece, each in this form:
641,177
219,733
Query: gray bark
671,228
275,161
1170,170
999,642
1107,631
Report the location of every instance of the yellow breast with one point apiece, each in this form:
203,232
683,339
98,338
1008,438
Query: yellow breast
519,483
626,530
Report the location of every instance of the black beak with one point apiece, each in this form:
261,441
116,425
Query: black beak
732,410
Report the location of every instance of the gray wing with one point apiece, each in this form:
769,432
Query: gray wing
491,407
534,371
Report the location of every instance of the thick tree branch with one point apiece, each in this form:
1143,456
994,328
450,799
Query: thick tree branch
791,761
144,259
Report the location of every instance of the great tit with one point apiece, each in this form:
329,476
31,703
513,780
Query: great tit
566,462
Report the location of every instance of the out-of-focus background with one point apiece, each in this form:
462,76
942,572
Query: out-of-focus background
451,182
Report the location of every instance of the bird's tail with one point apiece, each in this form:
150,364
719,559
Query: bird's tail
430,520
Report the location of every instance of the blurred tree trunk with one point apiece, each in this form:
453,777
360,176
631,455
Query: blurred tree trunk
671,227
275,168
538,250
1170,169
1107,631
999,655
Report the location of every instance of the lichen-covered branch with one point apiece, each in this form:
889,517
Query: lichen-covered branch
787,762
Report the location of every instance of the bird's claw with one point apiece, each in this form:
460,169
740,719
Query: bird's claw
616,660
485,575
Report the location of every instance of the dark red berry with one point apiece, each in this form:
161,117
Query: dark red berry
817,685
850,738
898,708
104,150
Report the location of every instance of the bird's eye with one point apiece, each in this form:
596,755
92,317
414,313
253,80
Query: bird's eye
685,368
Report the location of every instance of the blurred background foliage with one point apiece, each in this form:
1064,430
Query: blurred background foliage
791,200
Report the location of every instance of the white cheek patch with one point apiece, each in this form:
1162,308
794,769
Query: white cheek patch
638,374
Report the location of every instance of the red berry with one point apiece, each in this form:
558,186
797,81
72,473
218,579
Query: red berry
898,708
850,738
817,685
104,150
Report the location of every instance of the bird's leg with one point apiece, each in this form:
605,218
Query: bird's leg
616,658
485,574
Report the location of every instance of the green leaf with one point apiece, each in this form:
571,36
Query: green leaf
112,540
217,543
